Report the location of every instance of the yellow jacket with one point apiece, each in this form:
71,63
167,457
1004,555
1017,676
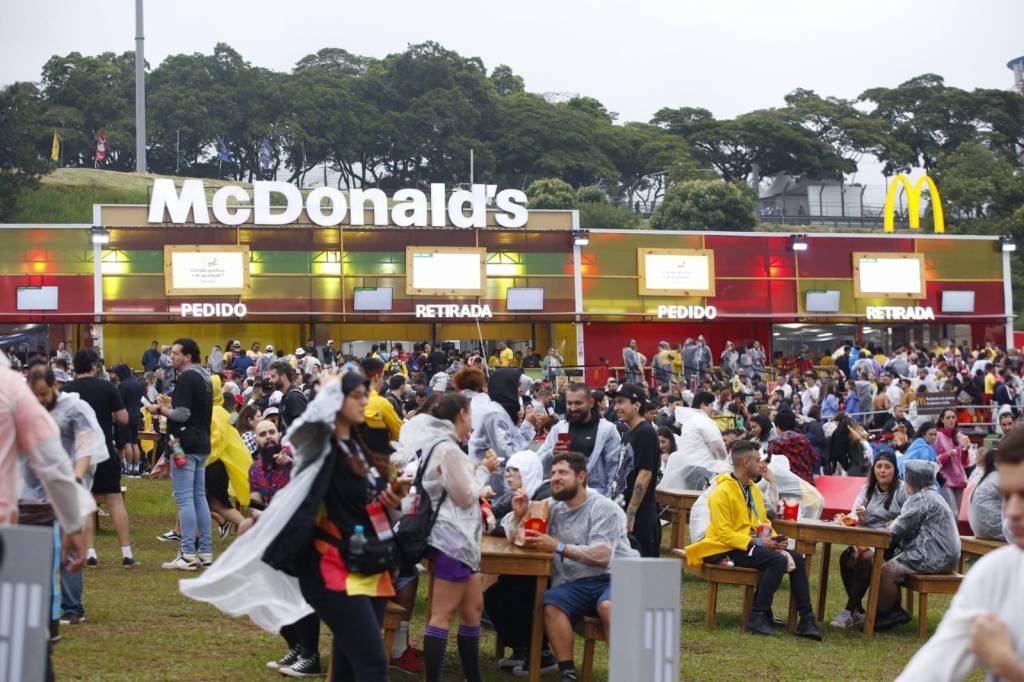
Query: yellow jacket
732,523
226,445
380,413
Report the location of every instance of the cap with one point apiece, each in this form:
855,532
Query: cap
633,392
61,376
299,352
330,342
271,410
236,344
269,348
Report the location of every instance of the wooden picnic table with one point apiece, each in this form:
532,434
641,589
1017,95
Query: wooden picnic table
500,557
972,546
679,503
829,532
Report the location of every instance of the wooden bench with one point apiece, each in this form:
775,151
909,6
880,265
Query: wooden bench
593,632
392,620
925,584
716,575
972,546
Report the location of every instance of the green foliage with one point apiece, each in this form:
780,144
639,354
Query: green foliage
975,182
705,205
550,193
506,82
21,134
62,204
591,194
605,216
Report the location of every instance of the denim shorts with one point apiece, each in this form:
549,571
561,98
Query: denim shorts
579,598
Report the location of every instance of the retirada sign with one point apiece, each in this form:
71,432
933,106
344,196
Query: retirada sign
450,310
214,310
875,312
688,312
328,207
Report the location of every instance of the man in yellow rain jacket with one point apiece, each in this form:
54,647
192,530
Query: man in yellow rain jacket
227,469
737,511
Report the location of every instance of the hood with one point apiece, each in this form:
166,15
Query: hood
919,473
122,372
530,469
203,372
418,434
503,388
218,391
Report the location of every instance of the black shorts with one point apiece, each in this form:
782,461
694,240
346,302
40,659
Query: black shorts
126,434
217,483
107,480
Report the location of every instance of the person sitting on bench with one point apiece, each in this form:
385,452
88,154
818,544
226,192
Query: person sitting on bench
927,534
737,515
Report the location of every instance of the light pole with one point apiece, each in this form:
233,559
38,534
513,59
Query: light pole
140,93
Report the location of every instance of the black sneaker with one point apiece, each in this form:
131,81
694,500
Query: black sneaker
285,661
91,562
54,631
892,619
569,676
224,529
303,667
169,536
547,664
518,658
128,562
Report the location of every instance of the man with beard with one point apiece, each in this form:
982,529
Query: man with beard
83,441
584,431
586,531
639,460
271,471
293,400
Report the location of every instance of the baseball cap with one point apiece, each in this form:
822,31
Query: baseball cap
300,352
633,392
269,348
269,411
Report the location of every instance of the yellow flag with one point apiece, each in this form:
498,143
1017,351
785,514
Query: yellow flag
55,148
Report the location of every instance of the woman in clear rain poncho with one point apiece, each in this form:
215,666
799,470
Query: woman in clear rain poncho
984,508
927,536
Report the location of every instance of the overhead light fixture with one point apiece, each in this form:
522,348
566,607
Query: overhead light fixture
798,242
1006,243
580,237
99,236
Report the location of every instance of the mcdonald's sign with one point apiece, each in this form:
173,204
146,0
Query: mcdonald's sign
913,203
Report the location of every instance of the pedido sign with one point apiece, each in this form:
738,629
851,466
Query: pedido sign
328,207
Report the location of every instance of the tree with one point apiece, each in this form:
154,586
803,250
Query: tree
605,216
705,205
550,193
591,194
22,133
506,82
976,183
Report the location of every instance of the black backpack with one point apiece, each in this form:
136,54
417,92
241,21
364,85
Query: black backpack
412,532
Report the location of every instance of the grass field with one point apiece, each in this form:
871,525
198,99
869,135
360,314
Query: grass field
139,627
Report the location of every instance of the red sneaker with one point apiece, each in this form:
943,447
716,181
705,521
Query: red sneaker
418,653
408,662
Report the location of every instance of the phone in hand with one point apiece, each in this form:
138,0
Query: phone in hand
780,538
564,439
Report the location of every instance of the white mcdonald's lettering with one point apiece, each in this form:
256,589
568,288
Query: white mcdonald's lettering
688,312
877,312
452,310
214,310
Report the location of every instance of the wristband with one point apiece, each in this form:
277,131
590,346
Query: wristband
759,541
560,548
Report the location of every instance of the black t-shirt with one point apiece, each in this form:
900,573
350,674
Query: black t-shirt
131,395
104,400
194,391
292,406
642,444
436,362
583,436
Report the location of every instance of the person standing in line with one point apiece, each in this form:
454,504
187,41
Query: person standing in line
189,420
131,392
632,364
639,464
105,401
151,358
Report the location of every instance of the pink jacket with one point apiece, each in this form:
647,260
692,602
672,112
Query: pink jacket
952,467
27,430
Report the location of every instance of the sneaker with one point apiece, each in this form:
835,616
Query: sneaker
408,662
843,619
92,562
303,667
859,617
169,536
518,658
285,661
102,512
224,528
182,562
128,562
72,620
547,664
569,676
892,619
54,631
206,559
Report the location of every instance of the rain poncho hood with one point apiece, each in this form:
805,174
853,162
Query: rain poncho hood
529,468
919,473
503,388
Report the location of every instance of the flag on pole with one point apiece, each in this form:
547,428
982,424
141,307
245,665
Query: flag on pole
55,147
224,156
101,146
265,153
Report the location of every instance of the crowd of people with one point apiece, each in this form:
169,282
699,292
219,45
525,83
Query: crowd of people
340,475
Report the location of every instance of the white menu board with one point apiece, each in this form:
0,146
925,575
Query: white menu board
886,275
436,271
676,272
206,270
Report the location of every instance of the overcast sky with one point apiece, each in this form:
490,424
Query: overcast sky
729,56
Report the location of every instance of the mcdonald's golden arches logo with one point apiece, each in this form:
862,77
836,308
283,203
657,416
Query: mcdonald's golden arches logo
914,203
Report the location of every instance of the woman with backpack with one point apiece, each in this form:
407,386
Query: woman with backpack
453,482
